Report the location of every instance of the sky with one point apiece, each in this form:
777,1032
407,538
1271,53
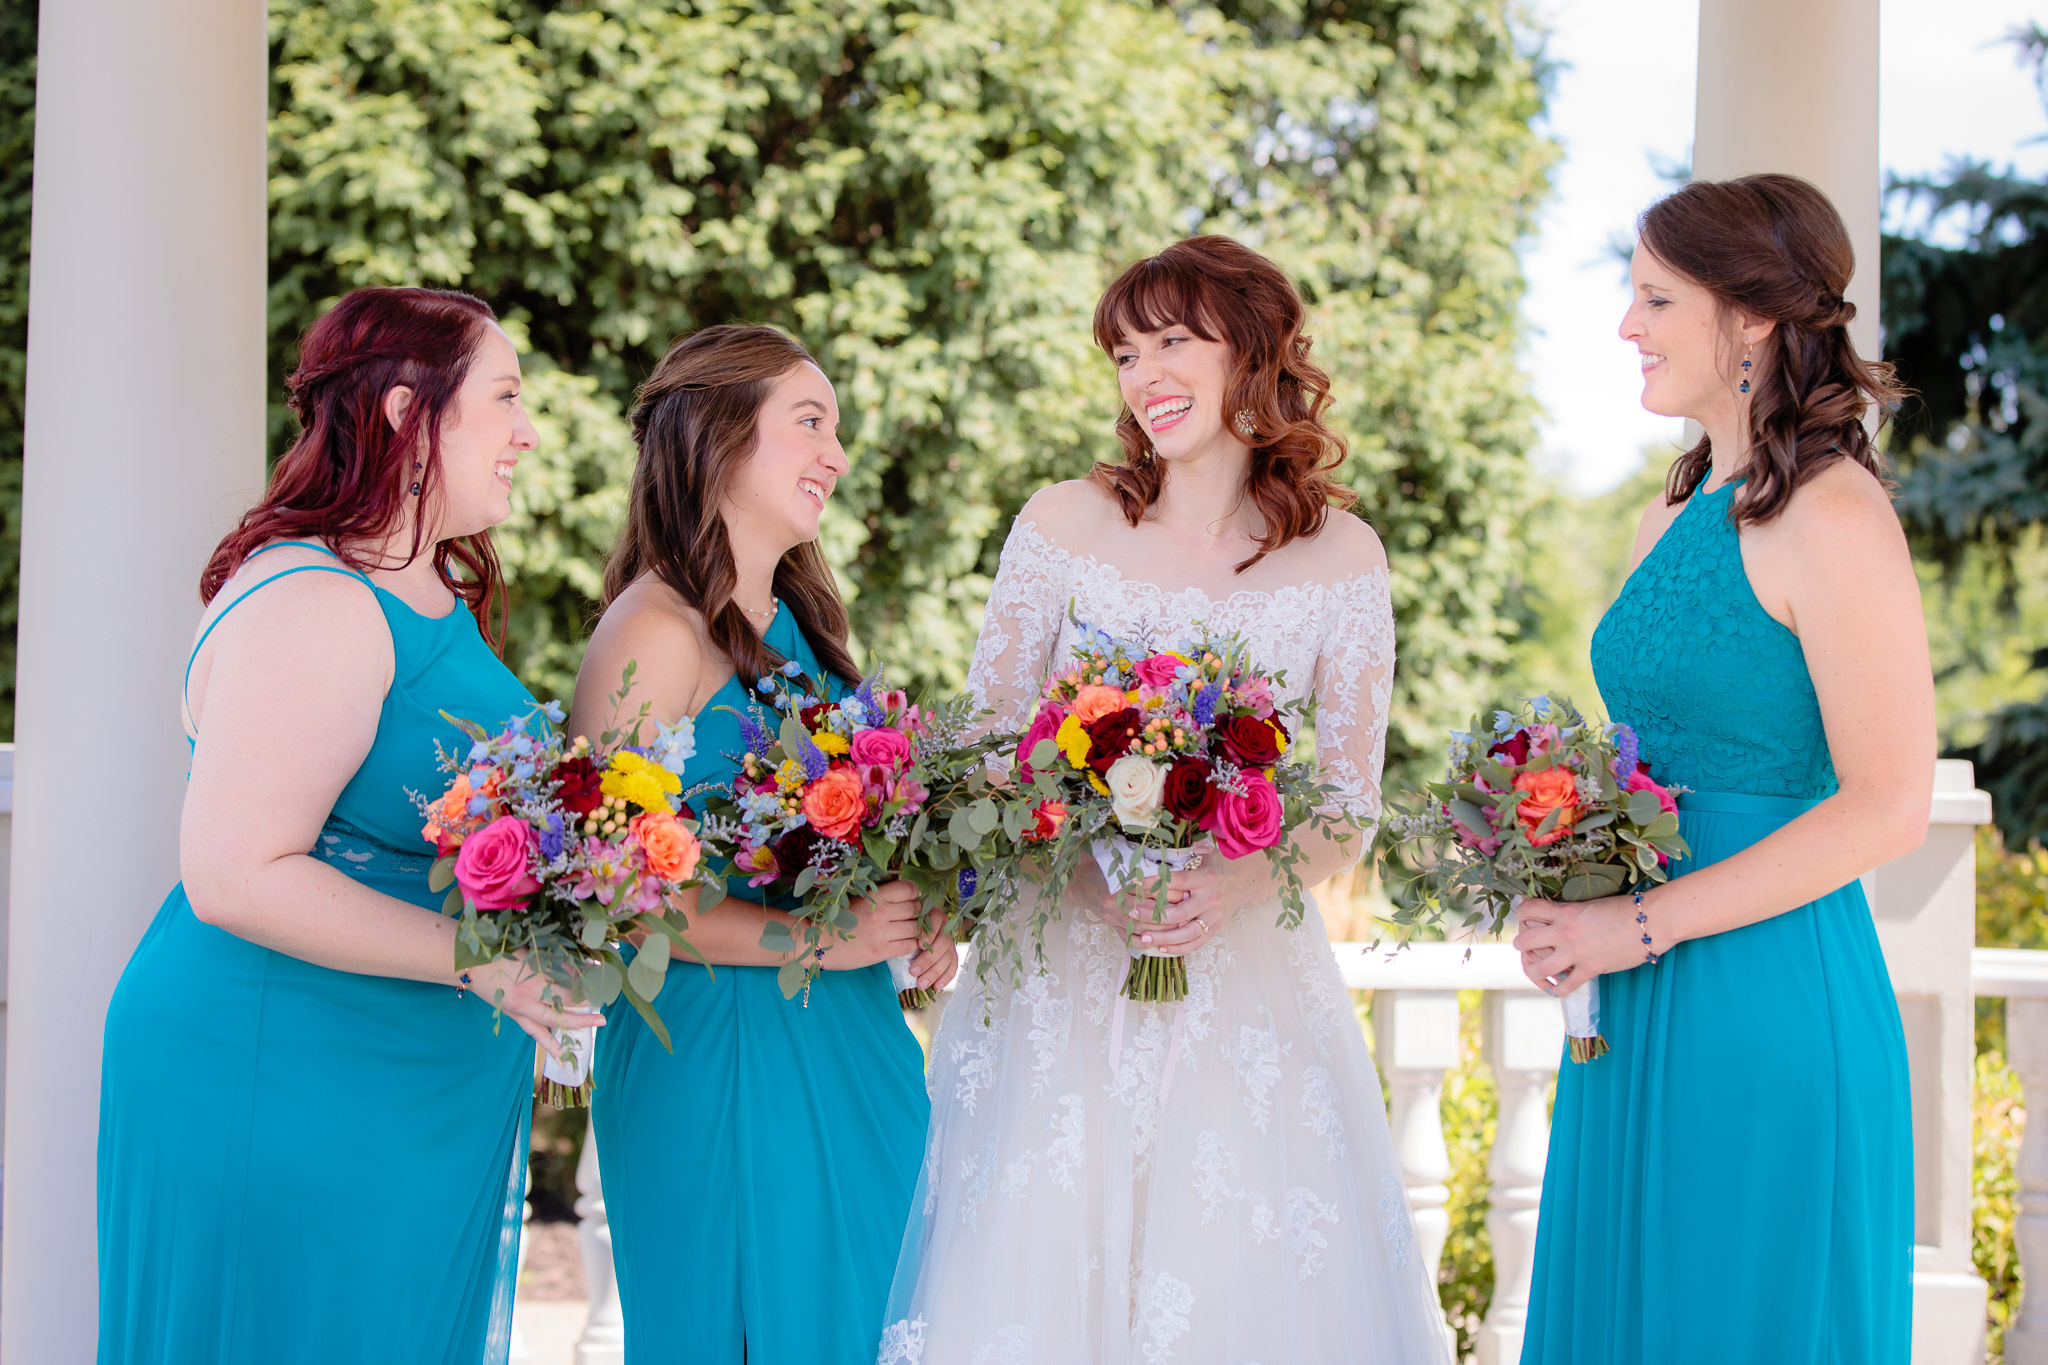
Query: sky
1623,106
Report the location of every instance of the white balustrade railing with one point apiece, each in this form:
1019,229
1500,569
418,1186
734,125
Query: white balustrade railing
2021,977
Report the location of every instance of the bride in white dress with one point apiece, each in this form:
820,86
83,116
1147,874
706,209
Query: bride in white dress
1211,1183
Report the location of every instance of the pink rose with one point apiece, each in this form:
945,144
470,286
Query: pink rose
1158,670
1244,824
1639,781
1044,725
881,747
492,867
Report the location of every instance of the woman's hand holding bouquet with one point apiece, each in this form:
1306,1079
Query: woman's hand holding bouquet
552,852
1539,811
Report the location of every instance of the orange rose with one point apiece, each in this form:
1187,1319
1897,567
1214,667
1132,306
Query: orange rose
834,804
670,848
1095,701
452,810
1550,790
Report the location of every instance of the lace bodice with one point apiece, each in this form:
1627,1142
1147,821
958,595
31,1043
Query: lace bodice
1715,687
1334,641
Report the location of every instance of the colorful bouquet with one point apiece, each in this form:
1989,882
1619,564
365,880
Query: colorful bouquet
557,850
1147,760
834,798
1538,804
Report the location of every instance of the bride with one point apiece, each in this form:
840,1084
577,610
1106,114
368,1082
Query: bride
1211,1183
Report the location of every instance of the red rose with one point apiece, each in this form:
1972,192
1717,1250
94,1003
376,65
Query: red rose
1514,749
1109,737
578,785
793,851
814,715
1189,793
1047,818
1250,742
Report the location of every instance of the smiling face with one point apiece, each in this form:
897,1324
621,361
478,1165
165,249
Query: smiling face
1691,346
481,438
779,494
1175,383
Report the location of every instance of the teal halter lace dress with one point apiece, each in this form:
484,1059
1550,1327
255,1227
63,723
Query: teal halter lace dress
308,1165
1733,1181
758,1179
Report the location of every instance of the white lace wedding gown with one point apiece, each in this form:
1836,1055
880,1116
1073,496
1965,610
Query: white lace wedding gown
1069,1212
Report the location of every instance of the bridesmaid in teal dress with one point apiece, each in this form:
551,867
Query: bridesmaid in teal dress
1733,1181
312,1130
757,1179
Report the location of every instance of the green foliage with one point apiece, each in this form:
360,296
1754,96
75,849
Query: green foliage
931,194
1471,1113
17,144
1997,1123
1967,326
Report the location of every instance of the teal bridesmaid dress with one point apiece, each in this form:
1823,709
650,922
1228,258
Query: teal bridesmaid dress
758,1180
309,1165
1733,1181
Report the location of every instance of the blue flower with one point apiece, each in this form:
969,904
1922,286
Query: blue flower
479,804
968,881
675,745
522,772
553,711
764,686
1502,722
1206,702
551,838
791,669
480,751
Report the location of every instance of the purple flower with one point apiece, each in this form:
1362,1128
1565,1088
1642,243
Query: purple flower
1206,702
816,762
754,734
968,881
1627,751
551,838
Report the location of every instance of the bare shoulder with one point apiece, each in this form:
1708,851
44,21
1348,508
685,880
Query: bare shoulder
1071,513
650,625
1844,502
294,590
1345,547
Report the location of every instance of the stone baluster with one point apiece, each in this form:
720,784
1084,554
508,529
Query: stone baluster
2026,1034
1417,1037
1524,1041
518,1354
603,1341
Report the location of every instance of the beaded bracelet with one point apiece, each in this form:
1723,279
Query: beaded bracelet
1649,954
461,985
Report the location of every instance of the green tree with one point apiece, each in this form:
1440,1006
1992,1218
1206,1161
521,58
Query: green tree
1967,325
931,193
17,145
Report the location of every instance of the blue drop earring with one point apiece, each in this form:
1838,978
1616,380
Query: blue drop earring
1745,367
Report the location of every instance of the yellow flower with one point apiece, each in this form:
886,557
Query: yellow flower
1095,781
790,775
831,743
639,780
1280,737
1073,741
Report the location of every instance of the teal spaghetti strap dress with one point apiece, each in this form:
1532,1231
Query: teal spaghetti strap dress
308,1165
759,1179
1733,1181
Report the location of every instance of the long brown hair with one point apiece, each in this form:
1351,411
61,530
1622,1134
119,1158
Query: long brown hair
695,421
1224,291
346,479
1773,247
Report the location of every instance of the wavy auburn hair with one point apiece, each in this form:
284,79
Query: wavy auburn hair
1772,247
346,480
1224,291
696,421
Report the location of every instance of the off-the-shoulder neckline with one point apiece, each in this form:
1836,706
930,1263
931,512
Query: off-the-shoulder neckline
1377,574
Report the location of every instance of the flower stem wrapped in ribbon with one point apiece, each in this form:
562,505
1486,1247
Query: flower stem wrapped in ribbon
835,797
554,851
1153,759
1536,803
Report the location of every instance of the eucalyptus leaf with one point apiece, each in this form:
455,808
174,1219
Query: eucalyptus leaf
1044,753
594,931
982,817
441,875
645,978
1469,815
1643,807
793,736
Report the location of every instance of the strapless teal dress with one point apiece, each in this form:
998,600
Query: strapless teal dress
759,1179
1733,1182
301,1164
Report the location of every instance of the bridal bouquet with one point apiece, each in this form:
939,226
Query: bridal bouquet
1147,760
835,798
1540,804
558,850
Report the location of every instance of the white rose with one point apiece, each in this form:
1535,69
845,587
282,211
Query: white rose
1135,788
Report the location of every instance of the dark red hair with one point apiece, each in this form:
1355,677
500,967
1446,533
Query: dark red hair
1224,291
347,478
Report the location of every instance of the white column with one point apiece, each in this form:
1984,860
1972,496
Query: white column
1417,1037
1793,88
2026,1043
1925,907
1524,1041
604,1336
144,440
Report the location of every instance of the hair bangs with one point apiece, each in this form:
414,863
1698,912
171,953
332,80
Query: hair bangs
1158,293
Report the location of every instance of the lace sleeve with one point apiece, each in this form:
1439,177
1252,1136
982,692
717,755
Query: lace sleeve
1025,608
1354,683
